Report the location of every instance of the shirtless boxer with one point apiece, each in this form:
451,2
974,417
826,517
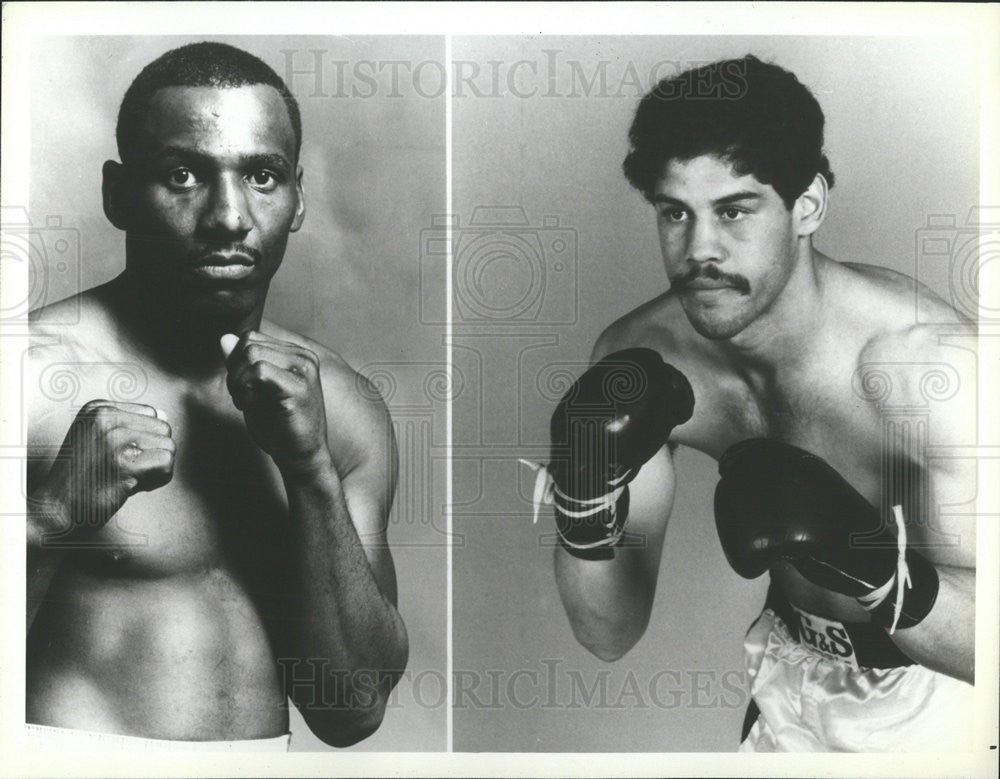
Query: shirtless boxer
767,355
211,542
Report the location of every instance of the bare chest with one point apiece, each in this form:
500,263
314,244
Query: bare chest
224,506
822,413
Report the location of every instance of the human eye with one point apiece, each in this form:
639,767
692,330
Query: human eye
263,180
732,213
180,179
673,214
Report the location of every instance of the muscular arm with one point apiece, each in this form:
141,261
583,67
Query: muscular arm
608,602
341,604
45,516
343,645
935,371
945,639
43,560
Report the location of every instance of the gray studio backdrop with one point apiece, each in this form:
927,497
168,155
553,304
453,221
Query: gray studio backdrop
551,246
374,159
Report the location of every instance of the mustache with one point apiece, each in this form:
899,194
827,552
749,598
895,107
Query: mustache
680,281
201,253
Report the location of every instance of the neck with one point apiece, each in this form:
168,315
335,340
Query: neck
178,338
786,331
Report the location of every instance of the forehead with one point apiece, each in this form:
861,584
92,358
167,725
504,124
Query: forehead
707,176
219,121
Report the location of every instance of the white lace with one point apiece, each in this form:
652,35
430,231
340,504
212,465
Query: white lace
874,599
546,490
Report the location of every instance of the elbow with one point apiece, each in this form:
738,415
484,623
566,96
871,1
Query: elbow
346,729
608,654
357,714
612,645
360,706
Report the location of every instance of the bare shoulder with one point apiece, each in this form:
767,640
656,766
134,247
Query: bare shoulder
910,323
920,364
657,324
357,417
72,335
929,368
904,296
81,322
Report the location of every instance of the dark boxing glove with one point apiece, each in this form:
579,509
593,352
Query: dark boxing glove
776,501
612,420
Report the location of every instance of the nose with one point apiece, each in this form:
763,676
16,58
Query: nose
703,242
227,214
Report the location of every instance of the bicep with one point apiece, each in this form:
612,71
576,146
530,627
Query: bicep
947,532
928,414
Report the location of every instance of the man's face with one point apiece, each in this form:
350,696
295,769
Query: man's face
728,243
215,192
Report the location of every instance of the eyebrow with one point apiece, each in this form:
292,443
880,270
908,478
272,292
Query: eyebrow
736,197
265,158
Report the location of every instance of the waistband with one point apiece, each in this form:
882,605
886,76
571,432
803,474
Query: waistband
46,737
872,646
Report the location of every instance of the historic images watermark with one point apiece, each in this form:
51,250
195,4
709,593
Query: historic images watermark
551,685
317,73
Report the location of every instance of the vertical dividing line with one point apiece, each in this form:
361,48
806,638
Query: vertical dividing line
449,714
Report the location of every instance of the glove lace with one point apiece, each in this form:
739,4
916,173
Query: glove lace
901,577
546,491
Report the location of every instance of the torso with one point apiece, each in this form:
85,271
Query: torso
814,404
162,627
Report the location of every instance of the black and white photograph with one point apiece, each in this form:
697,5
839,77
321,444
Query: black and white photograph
224,514
736,371
520,389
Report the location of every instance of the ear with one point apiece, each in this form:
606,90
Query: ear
114,195
300,208
809,209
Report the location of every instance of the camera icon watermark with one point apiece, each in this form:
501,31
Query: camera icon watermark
505,269
51,256
967,256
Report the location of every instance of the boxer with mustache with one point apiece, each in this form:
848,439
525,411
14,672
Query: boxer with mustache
760,356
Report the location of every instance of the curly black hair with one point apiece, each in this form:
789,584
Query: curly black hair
754,114
205,64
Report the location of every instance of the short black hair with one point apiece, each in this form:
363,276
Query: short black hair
756,115
205,64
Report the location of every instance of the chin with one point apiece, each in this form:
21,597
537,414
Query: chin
221,309
716,328
715,331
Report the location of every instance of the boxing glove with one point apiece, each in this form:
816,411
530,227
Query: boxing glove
776,501
613,419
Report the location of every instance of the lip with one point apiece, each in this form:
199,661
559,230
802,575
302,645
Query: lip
706,285
223,267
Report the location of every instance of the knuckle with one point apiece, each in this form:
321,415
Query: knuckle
124,459
111,434
104,416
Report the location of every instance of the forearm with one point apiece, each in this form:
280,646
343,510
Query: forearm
608,602
945,640
45,523
342,620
